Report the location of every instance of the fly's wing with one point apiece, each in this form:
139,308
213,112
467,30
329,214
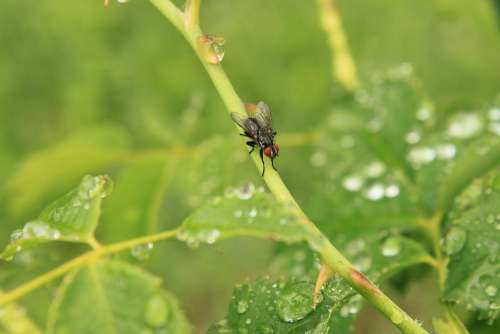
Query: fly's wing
263,115
247,124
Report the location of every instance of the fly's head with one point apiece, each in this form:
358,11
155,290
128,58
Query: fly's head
272,151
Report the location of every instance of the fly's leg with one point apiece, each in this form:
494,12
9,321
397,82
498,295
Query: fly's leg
272,163
252,144
262,159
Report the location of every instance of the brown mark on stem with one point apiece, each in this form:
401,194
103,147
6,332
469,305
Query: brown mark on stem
362,281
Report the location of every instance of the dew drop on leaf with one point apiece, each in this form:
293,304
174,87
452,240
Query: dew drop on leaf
412,137
142,252
454,240
375,169
446,151
295,301
391,191
419,156
156,311
375,192
242,306
464,125
352,183
491,290
245,191
391,247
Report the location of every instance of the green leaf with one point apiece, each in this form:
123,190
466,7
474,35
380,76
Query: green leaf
73,217
215,164
267,306
114,297
13,320
473,245
243,211
51,171
448,160
133,209
478,158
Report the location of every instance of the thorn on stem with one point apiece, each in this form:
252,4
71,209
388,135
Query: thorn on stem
325,273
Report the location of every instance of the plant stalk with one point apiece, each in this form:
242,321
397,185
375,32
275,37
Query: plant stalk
79,261
330,255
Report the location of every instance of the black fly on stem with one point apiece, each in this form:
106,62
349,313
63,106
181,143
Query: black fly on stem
257,126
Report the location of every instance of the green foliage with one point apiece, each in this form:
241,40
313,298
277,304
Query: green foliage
15,321
243,211
136,198
114,297
392,174
55,169
268,306
73,217
473,244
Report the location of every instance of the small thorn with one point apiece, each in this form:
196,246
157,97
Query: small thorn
325,273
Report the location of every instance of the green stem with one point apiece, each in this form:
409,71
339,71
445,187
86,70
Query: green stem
331,256
432,227
77,262
343,66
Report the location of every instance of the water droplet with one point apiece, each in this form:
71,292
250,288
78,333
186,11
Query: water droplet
454,240
295,301
424,113
211,48
245,191
412,137
494,114
242,306
375,169
446,151
464,125
212,236
39,230
318,159
352,183
391,246
156,311
142,252
490,219
419,156
248,321
252,213
491,290
375,192
238,213
391,191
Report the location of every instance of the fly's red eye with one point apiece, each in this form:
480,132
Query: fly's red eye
267,151
276,148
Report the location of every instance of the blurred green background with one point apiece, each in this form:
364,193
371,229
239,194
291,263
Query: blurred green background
96,89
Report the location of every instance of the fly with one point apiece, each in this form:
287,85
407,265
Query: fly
257,126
